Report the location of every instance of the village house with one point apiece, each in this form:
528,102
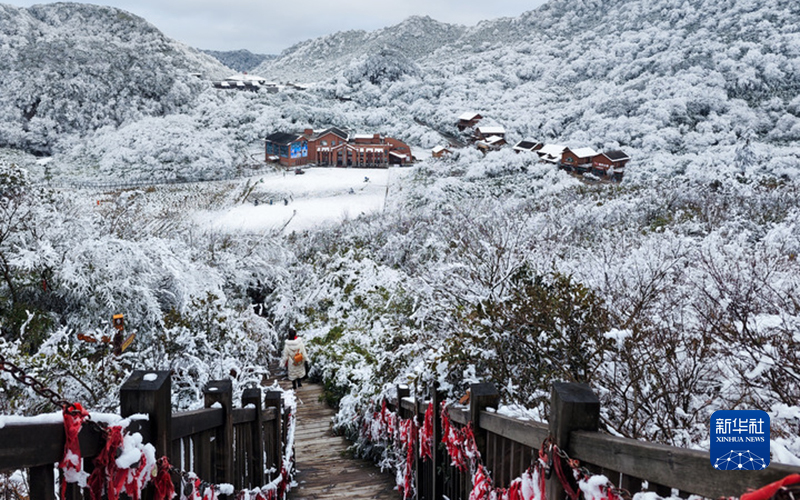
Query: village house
491,143
336,147
551,153
527,145
440,152
577,160
468,120
246,82
610,163
485,132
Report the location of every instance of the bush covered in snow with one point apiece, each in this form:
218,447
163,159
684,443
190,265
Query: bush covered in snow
671,300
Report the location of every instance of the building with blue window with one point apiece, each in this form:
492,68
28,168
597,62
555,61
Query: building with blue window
290,150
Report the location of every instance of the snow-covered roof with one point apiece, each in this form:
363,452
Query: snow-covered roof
494,139
363,136
552,150
584,152
439,149
398,155
248,78
486,131
468,116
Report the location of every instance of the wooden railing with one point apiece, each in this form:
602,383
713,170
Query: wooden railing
508,445
221,444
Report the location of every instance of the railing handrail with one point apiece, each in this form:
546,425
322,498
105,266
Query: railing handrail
32,444
663,466
239,446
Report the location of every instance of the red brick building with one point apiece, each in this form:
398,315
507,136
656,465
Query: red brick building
336,147
610,163
578,160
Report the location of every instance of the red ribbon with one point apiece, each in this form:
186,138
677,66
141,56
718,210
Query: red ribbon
165,490
561,476
74,416
407,431
426,435
769,490
482,484
460,443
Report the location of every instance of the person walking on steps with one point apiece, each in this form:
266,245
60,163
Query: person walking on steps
294,357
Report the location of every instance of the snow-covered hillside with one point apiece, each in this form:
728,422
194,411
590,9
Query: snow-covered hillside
67,69
240,60
321,58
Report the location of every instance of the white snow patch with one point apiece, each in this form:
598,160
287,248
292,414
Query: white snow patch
322,196
150,377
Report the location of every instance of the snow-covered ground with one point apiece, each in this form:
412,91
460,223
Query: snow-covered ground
299,202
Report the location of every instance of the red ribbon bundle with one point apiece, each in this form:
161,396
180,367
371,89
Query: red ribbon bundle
460,443
74,416
426,435
165,490
481,484
407,430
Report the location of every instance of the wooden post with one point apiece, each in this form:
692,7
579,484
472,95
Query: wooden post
150,392
573,407
424,488
272,399
256,461
221,391
481,396
402,392
440,461
42,482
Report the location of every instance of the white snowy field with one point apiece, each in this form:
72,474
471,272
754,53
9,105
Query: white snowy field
299,202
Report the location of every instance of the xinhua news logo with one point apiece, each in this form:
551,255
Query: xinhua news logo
739,440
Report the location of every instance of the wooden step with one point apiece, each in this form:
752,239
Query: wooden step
325,470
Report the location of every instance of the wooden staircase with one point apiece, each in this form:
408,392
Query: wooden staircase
325,471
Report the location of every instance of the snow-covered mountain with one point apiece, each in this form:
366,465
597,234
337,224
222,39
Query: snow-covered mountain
321,58
240,60
70,68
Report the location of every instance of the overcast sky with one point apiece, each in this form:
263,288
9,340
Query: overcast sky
268,27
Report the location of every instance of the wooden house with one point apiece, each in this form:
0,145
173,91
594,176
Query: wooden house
440,152
468,120
577,160
610,163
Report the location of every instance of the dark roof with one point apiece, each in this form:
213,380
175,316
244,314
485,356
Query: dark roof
525,145
336,131
283,138
616,155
